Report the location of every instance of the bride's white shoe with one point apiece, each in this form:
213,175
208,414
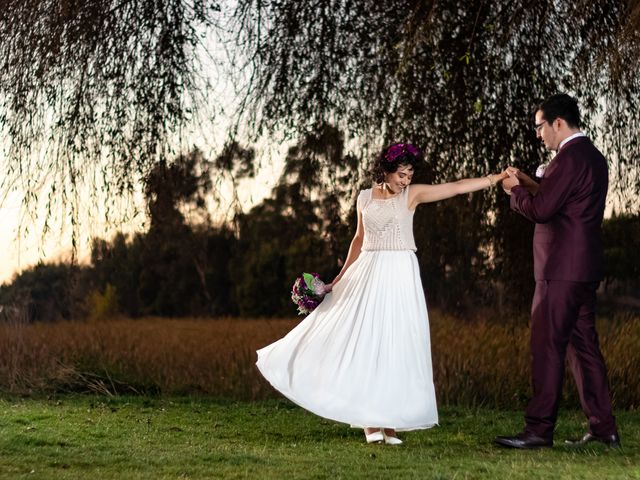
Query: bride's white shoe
390,439
374,437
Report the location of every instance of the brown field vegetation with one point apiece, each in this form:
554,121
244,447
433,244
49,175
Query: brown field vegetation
475,362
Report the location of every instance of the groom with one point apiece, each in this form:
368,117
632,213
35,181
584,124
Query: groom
567,207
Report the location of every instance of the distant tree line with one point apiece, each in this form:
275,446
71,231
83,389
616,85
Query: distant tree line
185,265
180,267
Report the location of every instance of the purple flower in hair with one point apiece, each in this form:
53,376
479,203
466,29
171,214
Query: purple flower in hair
397,150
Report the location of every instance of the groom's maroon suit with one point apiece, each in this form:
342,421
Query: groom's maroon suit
568,266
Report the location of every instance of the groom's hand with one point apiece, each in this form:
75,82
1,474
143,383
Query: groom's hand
511,181
523,179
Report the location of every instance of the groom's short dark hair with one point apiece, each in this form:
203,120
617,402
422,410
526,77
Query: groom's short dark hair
562,106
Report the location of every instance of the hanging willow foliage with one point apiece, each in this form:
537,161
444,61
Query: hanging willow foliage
458,77
94,92
88,84
461,79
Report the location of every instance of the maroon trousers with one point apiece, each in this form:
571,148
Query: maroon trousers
563,325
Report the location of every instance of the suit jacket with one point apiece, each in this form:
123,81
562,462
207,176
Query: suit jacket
568,211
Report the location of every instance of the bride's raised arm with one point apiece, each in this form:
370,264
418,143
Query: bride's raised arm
425,193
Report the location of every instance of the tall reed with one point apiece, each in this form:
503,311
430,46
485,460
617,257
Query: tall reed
475,362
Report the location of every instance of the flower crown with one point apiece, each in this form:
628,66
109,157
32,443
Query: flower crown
397,150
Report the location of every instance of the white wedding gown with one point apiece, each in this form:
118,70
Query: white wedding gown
363,356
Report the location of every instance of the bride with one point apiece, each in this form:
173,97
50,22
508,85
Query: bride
363,356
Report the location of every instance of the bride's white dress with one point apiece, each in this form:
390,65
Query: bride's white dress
363,356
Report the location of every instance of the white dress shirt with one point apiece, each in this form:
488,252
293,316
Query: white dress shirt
568,139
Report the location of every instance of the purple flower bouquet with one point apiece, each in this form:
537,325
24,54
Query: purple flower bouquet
307,292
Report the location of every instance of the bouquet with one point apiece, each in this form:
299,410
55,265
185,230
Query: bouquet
307,292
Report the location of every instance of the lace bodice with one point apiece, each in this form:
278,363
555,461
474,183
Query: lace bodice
388,223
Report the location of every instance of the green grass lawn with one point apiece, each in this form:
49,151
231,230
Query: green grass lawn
103,438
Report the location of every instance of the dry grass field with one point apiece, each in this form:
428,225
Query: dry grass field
476,363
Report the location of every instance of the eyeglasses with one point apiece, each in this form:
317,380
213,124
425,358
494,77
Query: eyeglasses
538,126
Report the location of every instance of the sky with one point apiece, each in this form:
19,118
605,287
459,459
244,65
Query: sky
22,243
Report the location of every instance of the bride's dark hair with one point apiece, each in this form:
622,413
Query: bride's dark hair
392,157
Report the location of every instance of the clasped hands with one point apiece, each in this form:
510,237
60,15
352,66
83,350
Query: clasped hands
516,177
511,177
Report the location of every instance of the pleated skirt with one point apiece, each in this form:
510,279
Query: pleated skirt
363,357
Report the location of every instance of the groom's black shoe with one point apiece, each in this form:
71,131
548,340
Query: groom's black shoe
523,440
612,441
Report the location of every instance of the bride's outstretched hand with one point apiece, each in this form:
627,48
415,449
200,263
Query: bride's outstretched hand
503,175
